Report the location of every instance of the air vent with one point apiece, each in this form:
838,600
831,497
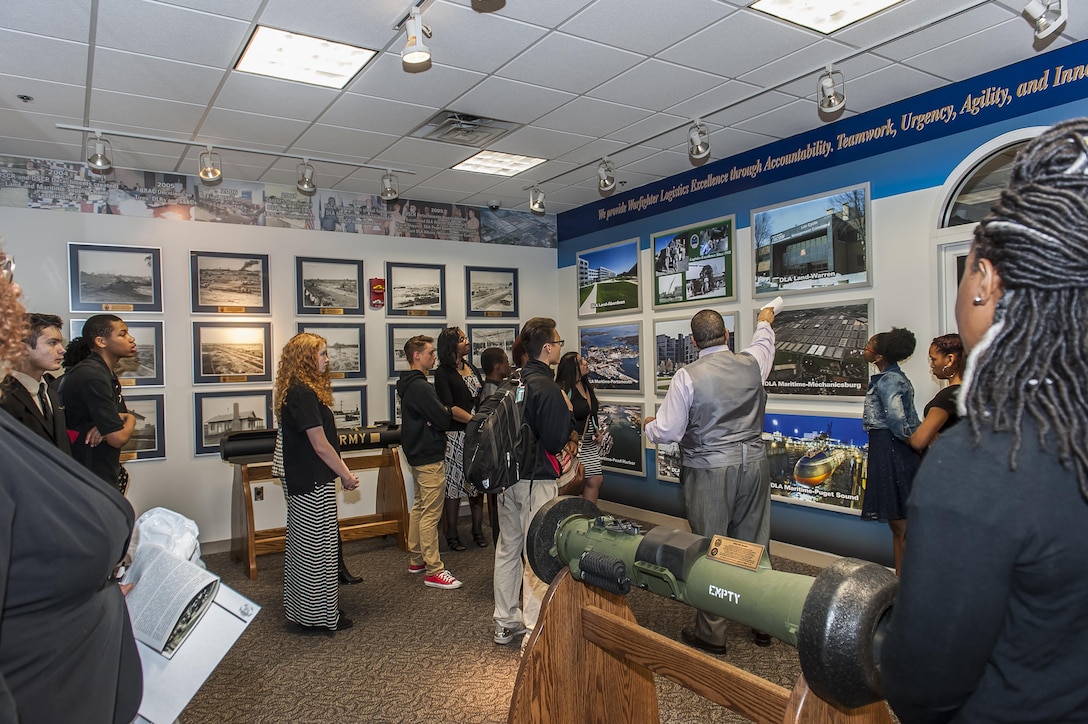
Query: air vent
463,129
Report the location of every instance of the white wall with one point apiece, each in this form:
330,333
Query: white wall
199,487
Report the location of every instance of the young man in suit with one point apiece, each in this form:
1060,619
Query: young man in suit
27,395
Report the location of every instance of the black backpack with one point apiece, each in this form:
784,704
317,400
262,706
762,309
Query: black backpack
499,444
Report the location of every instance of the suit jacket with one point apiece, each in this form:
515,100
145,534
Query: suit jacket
19,403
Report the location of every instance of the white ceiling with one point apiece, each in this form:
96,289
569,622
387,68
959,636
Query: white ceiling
581,78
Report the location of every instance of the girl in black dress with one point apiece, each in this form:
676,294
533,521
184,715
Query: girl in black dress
946,362
572,375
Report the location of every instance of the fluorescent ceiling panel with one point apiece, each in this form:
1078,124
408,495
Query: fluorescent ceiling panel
291,56
498,164
824,16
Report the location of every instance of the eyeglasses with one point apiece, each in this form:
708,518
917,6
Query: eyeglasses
7,267
558,342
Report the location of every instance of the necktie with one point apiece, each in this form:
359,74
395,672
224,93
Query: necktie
43,399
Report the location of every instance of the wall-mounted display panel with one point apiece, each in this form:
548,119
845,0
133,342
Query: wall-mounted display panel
217,413
347,348
817,460
224,283
227,352
818,350
482,336
674,348
491,292
146,368
416,290
114,279
612,353
695,264
608,280
818,243
148,441
622,446
398,334
328,286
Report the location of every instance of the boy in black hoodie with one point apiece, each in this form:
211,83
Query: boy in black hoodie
424,421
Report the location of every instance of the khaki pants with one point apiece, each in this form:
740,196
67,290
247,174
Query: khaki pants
518,592
423,518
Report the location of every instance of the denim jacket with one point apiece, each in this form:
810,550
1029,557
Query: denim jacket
889,403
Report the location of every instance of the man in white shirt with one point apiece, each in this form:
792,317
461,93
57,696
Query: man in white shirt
27,395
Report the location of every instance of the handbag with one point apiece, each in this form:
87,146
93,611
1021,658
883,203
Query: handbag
277,456
572,474
122,479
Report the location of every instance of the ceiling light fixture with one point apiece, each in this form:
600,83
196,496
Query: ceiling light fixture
211,167
302,58
390,187
415,51
1048,16
306,183
498,163
825,16
698,140
100,159
606,176
831,95
536,200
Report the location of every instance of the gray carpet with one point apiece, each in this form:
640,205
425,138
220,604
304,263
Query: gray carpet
416,654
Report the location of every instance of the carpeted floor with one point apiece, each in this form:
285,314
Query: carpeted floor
416,654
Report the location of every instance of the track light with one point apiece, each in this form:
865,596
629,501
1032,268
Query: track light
390,187
306,183
1048,16
831,94
211,167
536,200
415,51
100,159
606,176
698,140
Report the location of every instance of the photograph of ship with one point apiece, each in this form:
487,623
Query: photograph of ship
231,350
145,442
482,336
229,280
816,243
345,343
608,279
491,292
349,407
416,289
218,413
329,284
673,347
114,275
694,263
817,460
612,354
398,334
622,446
818,351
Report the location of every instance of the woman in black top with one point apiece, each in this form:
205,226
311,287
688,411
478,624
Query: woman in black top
946,362
458,384
311,463
572,374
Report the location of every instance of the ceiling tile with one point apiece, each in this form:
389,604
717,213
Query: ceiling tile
167,31
540,142
950,31
656,85
157,116
591,116
29,56
64,19
815,57
386,78
643,27
568,63
476,41
242,128
154,77
335,142
784,121
261,94
510,100
61,99
974,54
376,114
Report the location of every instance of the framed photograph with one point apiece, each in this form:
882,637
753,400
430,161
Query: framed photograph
415,290
347,350
608,280
394,401
818,351
612,352
146,368
114,278
148,441
674,348
224,283
623,447
349,406
666,459
695,264
217,413
819,243
398,334
491,292
817,460
482,336
329,286
225,352
953,264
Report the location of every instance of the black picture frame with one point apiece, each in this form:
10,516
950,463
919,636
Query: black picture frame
399,333
608,350
347,347
482,336
415,290
146,369
324,286
491,292
148,441
232,352
349,406
105,278
227,283
217,413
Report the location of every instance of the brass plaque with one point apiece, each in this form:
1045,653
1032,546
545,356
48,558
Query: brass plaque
735,552
418,312
117,307
337,375
127,381
233,378
331,310
231,310
492,314
127,456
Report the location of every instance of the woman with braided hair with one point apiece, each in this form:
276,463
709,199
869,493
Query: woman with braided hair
946,362
989,622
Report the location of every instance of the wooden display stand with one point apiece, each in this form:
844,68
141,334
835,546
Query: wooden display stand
391,517
588,660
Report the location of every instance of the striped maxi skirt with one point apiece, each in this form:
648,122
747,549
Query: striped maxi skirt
310,571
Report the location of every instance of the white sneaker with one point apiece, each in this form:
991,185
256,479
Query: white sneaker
445,579
505,635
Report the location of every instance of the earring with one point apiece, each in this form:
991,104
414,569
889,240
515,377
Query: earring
945,375
977,301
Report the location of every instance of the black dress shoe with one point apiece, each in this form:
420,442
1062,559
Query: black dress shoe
344,623
691,639
761,638
347,579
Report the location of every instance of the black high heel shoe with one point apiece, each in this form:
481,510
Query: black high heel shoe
479,539
455,544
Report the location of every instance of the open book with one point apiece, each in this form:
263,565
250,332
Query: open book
170,595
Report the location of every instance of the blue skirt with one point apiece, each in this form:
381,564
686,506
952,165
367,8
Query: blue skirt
892,465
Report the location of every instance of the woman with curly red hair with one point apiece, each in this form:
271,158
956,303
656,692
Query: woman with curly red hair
311,463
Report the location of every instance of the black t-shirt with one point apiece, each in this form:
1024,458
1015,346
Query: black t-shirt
92,398
945,400
583,408
302,411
